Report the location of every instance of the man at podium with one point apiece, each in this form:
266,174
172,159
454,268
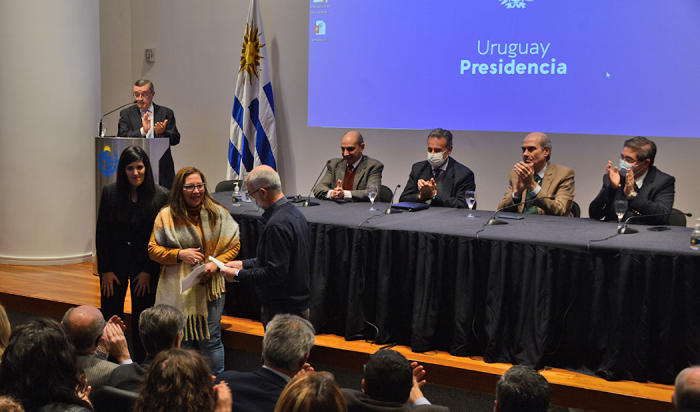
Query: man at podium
149,120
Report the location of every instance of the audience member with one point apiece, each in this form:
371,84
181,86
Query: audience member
8,404
5,329
161,329
286,346
87,329
40,369
522,389
180,380
312,392
391,383
686,396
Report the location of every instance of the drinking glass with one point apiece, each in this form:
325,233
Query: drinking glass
620,210
471,199
372,191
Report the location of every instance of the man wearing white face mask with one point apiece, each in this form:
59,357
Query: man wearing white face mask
440,180
647,189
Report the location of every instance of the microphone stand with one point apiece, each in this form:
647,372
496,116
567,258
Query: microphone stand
493,221
624,230
308,201
389,210
99,130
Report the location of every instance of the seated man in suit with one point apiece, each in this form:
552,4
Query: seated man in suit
348,178
522,388
160,328
535,178
440,180
647,189
286,345
94,341
149,120
391,383
686,394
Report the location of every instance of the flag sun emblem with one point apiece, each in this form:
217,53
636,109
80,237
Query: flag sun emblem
250,54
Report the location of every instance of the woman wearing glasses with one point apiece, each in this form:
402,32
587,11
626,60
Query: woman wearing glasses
127,211
192,227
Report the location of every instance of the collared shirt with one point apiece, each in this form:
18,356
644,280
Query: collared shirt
640,180
280,374
536,190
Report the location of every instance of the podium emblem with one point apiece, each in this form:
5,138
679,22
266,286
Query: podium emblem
107,162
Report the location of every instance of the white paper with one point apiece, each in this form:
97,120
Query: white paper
217,262
191,279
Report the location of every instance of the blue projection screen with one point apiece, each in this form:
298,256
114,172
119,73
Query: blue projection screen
619,67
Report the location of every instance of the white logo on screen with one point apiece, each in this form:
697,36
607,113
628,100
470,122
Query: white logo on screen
319,1
320,28
514,4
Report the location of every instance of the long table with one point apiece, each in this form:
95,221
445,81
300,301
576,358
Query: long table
541,291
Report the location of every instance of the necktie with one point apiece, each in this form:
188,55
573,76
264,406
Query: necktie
436,173
349,178
529,208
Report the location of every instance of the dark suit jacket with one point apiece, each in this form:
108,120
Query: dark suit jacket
359,402
130,126
655,196
368,172
457,179
558,181
129,377
253,391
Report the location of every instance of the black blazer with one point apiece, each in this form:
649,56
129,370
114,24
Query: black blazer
122,247
130,126
457,178
359,402
253,391
655,196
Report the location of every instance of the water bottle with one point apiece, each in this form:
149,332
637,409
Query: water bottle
695,237
236,198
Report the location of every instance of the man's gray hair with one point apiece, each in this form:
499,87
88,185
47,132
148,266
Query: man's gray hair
159,326
442,133
523,389
83,339
143,82
288,339
645,148
545,143
687,391
267,178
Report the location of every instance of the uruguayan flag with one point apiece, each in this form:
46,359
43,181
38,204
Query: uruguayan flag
253,140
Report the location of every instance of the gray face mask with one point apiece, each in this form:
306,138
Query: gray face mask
436,159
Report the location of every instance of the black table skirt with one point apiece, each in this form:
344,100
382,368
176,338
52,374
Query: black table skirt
539,292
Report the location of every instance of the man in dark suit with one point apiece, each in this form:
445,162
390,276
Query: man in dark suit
149,120
536,178
160,328
440,180
520,389
286,345
686,394
348,178
647,189
391,384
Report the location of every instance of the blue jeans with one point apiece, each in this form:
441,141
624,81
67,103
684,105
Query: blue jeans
212,348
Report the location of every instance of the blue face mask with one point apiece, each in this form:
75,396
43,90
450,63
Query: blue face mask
624,167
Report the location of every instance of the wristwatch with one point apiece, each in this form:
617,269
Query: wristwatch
632,195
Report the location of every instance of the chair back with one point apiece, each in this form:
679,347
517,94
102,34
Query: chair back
677,220
575,209
384,194
110,399
228,185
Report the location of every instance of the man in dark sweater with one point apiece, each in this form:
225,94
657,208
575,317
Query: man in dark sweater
280,269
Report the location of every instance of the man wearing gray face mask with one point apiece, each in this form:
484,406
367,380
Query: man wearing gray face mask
647,189
440,180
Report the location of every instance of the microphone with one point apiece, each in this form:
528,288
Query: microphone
624,230
308,201
389,210
99,130
493,221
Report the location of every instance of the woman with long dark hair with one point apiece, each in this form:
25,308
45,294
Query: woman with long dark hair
179,380
192,227
40,369
127,211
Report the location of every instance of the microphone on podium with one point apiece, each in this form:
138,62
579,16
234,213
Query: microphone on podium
493,221
389,210
308,201
624,230
99,130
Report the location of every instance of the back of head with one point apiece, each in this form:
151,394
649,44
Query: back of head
40,366
388,376
687,389
159,327
288,339
5,329
645,148
8,404
84,335
178,380
312,391
523,389
267,177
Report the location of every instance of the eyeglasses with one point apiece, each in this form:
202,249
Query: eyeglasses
628,159
144,95
256,191
190,188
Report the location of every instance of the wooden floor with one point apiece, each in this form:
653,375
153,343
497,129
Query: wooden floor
51,290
